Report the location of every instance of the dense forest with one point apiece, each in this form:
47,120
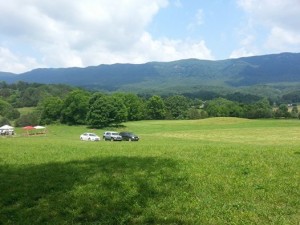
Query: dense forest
64,104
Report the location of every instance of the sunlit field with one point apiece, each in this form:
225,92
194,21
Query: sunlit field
211,171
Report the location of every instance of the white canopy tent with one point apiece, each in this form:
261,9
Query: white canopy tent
40,129
7,130
6,127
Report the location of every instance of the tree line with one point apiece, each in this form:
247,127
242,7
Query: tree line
72,106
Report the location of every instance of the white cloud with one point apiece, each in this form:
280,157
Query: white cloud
283,40
280,19
199,17
148,49
246,42
198,20
16,63
241,52
66,33
178,3
274,12
168,49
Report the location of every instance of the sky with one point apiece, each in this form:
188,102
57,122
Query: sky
81,33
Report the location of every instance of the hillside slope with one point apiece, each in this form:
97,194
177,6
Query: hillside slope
181,74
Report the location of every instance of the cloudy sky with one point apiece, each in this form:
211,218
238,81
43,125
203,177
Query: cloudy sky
67,33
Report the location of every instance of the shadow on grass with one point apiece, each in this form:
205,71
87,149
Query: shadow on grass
112,126
115,190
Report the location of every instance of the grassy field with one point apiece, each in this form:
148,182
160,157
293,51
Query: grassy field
212,171
26,110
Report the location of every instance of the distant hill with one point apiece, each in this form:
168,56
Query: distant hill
176,75
8,77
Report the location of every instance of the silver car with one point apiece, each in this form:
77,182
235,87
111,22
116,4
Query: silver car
112,136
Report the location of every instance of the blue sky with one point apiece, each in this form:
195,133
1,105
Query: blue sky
216,22
65,33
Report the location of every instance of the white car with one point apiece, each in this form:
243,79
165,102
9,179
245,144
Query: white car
89,137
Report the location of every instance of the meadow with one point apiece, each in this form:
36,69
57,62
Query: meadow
210,171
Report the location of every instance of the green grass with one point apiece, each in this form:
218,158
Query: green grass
212,171
26,110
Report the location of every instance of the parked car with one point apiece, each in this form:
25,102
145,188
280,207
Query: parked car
129,136
112,136
89,137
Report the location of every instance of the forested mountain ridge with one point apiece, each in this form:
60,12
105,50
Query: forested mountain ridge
181,74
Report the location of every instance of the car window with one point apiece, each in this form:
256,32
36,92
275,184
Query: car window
115,134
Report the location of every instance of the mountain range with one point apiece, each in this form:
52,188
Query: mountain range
176,76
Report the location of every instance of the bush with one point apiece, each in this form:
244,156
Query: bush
30,119
4,121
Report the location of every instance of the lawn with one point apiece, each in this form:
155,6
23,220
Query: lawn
211,171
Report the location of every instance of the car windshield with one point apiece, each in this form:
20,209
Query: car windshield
115,133
92,134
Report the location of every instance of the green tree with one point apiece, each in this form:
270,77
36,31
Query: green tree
105,110
177,106
134,105
30,119
194,114
292,97
75,107
282,111
4,121
3,107
12,113
5,92
260,109
31,97
197,103
50,109
6,110
155,108
22,86
222,107
294,112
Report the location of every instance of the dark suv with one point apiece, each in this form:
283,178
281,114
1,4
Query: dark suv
129,136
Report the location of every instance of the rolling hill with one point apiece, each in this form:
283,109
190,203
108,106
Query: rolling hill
178,75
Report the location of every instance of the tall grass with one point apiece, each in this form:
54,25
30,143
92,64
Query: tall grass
212,171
